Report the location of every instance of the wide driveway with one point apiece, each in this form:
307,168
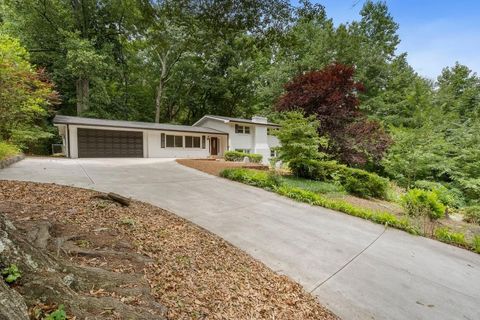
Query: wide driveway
358,269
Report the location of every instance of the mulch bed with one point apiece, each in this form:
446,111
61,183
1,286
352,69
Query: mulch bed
216,166
194,273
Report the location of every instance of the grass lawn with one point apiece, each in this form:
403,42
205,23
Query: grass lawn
314,186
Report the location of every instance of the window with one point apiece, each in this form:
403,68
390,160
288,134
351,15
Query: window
162,140
178,142
188,142
243,150
204,145
192,142
174,141
196,142
242,129
273,153
170,141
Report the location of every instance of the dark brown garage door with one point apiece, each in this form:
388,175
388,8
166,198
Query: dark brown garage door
93,143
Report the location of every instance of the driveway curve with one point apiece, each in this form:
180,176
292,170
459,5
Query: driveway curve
358,269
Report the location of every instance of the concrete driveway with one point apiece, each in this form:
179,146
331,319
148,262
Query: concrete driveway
356,268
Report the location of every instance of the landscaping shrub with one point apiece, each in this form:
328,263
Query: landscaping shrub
451,197
239,156
418,202
355,181
472,214
447,236
7,150
476,244
262,179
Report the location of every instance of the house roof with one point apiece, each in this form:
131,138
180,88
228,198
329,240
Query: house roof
235,120
59,119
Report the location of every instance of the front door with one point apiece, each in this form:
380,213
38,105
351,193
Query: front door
213,146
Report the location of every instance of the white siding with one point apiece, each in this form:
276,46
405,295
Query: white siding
257,141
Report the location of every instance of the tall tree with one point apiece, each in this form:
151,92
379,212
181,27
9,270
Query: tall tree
26,96
331,95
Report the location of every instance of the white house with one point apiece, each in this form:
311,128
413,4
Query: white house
210,136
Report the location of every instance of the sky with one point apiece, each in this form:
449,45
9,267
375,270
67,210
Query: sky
434,33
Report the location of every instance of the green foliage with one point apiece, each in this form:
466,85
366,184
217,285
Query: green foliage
450,197
7,150
299,137
476,244
25,96
421,203
11,274
355,181
447,236
471,214
315,199
257,178
58,314
239,156
313,185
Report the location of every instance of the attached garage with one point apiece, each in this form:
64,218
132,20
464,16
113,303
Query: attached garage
96,143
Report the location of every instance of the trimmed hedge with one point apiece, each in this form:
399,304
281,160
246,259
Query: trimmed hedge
239,156
355,181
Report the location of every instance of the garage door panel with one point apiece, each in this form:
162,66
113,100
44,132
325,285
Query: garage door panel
96,143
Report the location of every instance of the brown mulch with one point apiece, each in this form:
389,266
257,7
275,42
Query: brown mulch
215,166
194,273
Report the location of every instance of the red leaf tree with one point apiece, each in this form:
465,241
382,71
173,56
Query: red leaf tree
331,95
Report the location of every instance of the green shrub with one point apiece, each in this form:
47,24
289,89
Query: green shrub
262,179
418,202
7,150
447,236
11,274
472,214
239,156
355,181
451,197
255,157
476,244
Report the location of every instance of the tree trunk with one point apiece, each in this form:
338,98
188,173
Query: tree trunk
158,100
83,88
12,305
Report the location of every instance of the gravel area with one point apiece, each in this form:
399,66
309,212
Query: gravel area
215,166
194,273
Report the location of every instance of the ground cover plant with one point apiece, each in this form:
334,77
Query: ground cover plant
7,150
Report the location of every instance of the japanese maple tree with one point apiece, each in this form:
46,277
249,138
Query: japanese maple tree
331,95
